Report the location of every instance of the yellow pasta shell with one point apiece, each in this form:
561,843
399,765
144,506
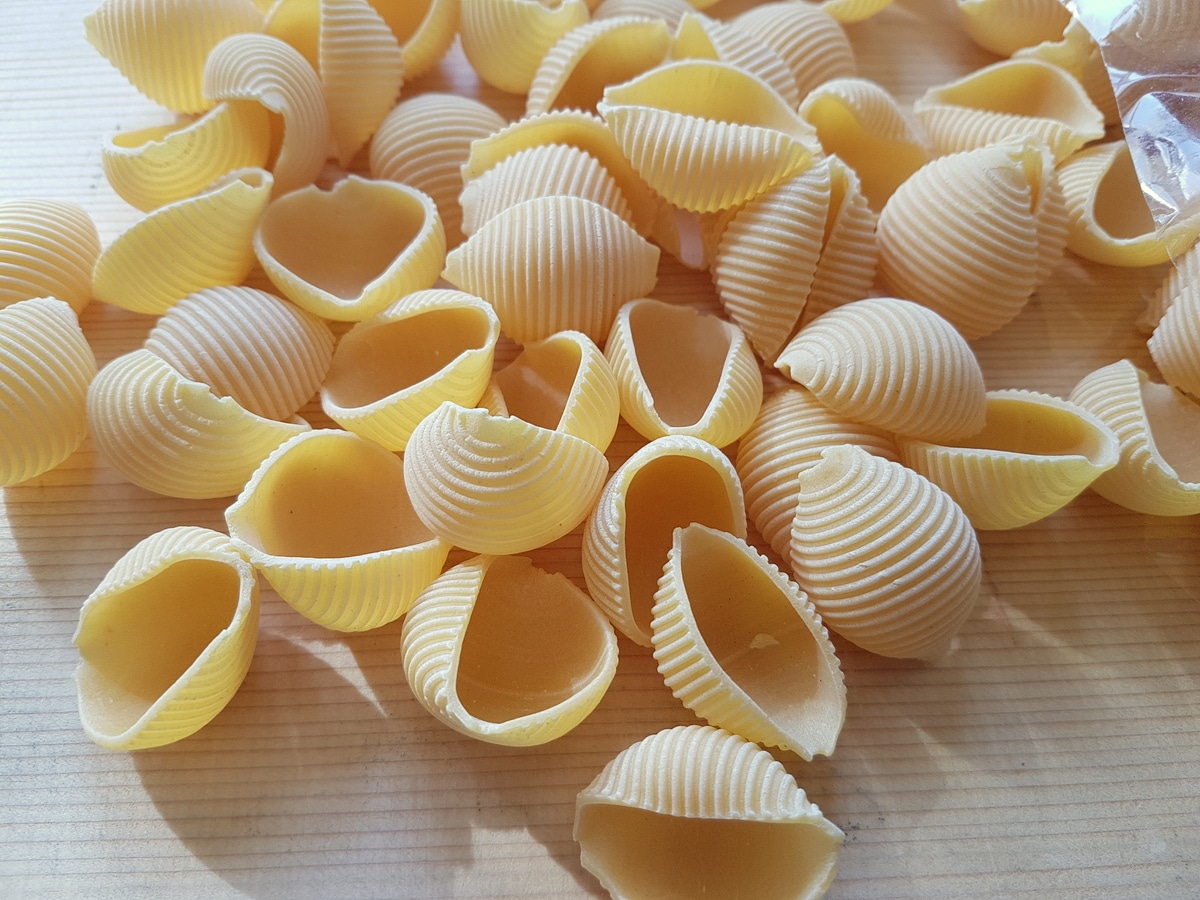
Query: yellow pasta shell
504,652
1005,26
326,519
48,248
1079,54
809,39
424,28
46,366
1175,343
694,811
698,36
854,10
1159,31
165,639
505,40
1185,272
143,271
174,436
393,369
670,11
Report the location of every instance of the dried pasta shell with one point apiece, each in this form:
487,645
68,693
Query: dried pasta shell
1014,98
762,667
143,271
700,37
1160,31
1079,54
788,436
152,167
555,264
499,485
165,639
886,556
1034,456
697,811
681,372
46,366
265,353
506,40
424,28
808,38
1005,26
893,364
670,11
848,11
394,368
161,45
348,252
174,436
671,482
48,248
1186,271
1175,343
326,518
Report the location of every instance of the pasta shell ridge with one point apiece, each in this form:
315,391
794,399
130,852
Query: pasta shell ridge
669,11
850,255
424,28
1186,271
698,36
1078,53
1005,26
506,40
1175,343
48,248
810,40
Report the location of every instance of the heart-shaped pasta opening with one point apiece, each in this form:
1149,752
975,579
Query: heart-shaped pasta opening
681,356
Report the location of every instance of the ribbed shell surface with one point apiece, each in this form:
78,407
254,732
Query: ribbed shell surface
48,248
700,37
1175,343
1005,26
505,40
1186,271
808,38
850,255
424,28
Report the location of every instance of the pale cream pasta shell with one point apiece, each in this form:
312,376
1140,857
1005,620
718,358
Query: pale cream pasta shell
808,38
893,364
848,11
1175,343
393,369
698,811
499,485
48,248
670,482
165,639
698,36
886,556
683,372
1078,53
424,28
1034,456
267,354
143,270
327,520
348,252
1005,26
174,436
505,40
670,11
46,366
1186,271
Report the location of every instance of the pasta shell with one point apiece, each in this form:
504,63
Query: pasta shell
48,248
1079,54
505,40
1005,26
762,667
393,369
808,38
700,37
174,436
424,28
788,436
265,353
886,556
555,264
1175,343
166,639
348,252
326,518
670,11
681,372
849,11
504,652
1034,456
706,135
1186,271
499,485
671,482
46,366
697,811
1159,31
893,364
152,167
161,45
142,270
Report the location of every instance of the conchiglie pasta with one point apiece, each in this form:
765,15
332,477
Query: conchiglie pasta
700,37
1175,343
809,39
424,28
854,10
1079,54
670,11
48,248
1005,26
505,40
1185,272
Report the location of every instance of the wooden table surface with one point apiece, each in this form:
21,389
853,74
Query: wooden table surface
1055,751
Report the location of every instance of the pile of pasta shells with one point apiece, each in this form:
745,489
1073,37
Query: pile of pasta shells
472,301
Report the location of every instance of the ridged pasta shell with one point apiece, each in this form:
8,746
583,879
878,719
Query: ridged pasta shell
563,383
425,141
670,11
683,372
1079,54
1160,31
1156,427
161,45
265,353
165,639
393,369
1186,271
809,39
788,436
424,28
1014,98
893,364
1005,26
695,811
48,248
555,264
505,40
504,652
1175,343
762,667
706,135
265,69
886,556
143,270
174,436
1034,456
698,36
671,482
46,366
348,252
326,518
152,167
848,11
499,485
